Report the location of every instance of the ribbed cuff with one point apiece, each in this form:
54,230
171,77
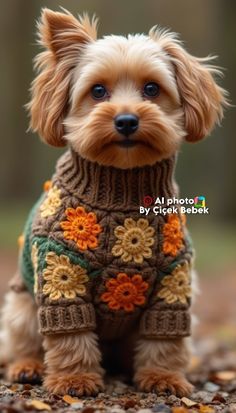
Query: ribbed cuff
164,323
69,319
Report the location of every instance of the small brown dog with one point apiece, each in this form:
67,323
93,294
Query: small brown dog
91,268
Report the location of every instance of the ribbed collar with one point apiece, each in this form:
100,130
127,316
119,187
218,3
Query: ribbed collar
114,189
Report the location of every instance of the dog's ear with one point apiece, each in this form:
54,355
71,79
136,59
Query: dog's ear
202,99
63,37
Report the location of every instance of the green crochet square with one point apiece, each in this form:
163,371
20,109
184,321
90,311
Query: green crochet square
45,245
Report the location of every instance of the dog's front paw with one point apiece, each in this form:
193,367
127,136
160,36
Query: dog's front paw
162,381
28,370
83,384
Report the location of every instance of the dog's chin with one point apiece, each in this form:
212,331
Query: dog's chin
130,143
125,154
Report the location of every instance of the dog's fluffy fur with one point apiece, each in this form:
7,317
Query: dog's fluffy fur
62,111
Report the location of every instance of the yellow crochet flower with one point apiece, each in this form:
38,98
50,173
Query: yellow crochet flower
177,285
51,202
134,240
63,279
34,259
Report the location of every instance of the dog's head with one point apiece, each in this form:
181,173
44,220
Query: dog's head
120,101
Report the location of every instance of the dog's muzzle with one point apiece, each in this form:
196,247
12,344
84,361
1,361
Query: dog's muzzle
126,123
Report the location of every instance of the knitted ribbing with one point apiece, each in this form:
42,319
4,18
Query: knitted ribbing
114,189
164,322
67,319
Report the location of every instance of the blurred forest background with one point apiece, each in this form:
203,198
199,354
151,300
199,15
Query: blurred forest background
208,168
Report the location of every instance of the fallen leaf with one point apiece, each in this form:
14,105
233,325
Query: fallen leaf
218,398
206,409
129,404
179,410
70,400
188,402
88,410
38,405
225,375
27,386
14,387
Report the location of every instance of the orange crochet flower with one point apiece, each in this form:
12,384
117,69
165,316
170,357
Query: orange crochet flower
81,227
125,292
47,185
173,235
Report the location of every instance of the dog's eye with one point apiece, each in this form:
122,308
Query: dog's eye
151,90
99,92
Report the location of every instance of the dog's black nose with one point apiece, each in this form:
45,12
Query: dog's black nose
126,123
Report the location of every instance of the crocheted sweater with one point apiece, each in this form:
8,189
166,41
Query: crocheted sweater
93,262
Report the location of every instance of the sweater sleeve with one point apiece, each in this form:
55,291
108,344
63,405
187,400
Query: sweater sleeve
60,282
62,288
168,313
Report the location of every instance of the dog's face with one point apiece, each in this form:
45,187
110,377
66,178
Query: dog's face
125,107
120,101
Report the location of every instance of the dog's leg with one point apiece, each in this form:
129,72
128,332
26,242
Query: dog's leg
20,342
160,366
73,364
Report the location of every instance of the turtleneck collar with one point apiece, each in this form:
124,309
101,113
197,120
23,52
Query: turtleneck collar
114,189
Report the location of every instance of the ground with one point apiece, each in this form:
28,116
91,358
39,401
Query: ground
212,370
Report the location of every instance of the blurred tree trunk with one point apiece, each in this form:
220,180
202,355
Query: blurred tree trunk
227,163
15,26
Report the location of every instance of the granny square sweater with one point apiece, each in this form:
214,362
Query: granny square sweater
93,262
